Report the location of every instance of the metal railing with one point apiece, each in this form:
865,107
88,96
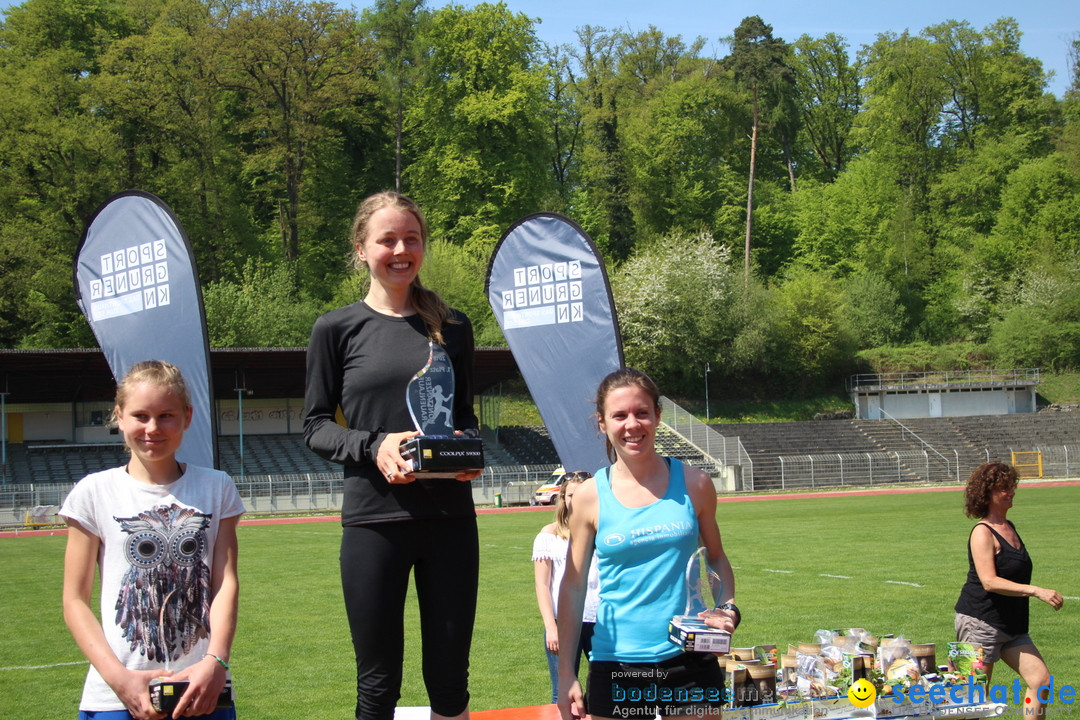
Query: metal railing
927,448
878,468
860,469
937,378
299,493
322,492
717,448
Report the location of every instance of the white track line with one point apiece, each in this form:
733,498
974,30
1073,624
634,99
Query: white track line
44,667
844,577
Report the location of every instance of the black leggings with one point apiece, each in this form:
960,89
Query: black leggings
375,563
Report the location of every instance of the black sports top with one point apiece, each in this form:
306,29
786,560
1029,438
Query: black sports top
362,361
1008,613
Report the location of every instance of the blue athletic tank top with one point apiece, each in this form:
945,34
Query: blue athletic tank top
641,554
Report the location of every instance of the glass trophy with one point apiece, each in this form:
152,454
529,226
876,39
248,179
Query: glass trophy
688,631
437,451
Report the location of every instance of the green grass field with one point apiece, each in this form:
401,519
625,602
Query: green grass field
887,563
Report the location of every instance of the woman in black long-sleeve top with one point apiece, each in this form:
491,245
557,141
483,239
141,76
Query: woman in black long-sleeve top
360,359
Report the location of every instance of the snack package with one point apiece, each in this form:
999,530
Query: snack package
787,686
766,654
738,687
926,655
832,658
964,658
816,673
809,675
897,665
760,684
847,652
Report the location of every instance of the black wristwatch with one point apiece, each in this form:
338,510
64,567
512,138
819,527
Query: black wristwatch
733,608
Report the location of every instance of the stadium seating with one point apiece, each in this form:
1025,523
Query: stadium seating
971,440
528,444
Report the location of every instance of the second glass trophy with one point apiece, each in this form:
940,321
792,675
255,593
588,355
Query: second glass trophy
688,631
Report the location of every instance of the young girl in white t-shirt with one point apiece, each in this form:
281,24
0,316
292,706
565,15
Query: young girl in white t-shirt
549,562
164,534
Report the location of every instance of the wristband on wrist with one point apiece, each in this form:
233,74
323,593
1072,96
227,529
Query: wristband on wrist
215,657
732,607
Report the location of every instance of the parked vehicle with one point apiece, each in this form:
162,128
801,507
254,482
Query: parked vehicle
545,494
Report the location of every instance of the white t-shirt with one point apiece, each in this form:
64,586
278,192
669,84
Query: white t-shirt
157,547
549,546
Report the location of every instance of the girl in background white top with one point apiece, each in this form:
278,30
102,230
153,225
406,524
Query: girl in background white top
549,562
164,534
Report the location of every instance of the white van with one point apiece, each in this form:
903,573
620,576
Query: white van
545,494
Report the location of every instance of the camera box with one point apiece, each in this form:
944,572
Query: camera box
443,456
165,693
693,635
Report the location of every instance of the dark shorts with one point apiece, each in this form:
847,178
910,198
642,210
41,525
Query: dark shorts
993,640
689,684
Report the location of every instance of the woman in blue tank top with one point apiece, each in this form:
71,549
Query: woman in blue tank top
644,516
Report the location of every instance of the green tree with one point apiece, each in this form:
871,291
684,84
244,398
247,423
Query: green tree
159,87
829,96
993,88
758,61
680,306
843,226
606,194
476,132
264,308
458,276
811,340
875,315
296,66
58,161
1043,328
564,119
1039,220
395,24
676,140
901,120
968,196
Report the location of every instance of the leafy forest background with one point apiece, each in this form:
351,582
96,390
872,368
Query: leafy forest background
786,214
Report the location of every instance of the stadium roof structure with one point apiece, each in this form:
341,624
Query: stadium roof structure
51,376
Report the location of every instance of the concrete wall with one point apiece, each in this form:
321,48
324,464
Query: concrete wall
41,423
261,417
957,402
84,423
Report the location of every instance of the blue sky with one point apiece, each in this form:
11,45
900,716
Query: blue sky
1047,25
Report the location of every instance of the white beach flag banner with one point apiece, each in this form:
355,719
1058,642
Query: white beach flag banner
137,284
549,291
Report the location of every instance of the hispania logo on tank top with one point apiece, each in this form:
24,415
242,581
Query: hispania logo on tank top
651,533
